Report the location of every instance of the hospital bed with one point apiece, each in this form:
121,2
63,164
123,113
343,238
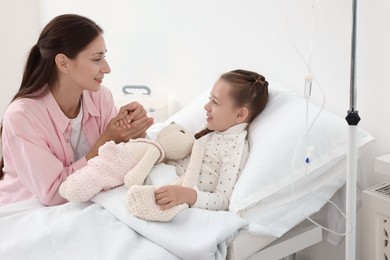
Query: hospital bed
290,175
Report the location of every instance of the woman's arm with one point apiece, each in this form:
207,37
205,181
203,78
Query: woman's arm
130,122
117,132
38,168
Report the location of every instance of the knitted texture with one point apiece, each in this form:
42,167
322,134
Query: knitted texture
128,163
143,205
138,174
173,142
194,167
176,140
141,199
102,172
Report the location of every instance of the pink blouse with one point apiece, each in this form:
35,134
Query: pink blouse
37,152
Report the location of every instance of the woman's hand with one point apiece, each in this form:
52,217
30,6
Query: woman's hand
134,121
128,124
132,112
119,133
137,129
172,195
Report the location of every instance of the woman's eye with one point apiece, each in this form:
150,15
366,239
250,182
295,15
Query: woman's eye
99,58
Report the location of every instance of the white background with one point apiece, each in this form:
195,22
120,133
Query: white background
179,48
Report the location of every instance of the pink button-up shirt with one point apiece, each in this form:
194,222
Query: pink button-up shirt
37,152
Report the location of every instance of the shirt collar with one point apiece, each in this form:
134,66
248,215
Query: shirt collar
88,105
55,111
235,129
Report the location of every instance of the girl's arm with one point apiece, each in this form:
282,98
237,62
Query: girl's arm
229,172
218,199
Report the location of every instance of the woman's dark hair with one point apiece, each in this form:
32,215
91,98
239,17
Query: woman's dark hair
248,89
68,34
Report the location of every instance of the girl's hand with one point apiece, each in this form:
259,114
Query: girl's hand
172,195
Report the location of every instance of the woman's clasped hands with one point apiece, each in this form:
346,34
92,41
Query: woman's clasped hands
131,122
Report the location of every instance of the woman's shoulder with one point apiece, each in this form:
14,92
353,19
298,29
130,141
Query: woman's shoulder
23,106
23,113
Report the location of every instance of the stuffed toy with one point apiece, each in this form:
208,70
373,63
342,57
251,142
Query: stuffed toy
141,200
126,163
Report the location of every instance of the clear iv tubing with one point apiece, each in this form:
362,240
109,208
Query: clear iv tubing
308,80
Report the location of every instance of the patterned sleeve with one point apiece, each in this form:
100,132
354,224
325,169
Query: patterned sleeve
229,172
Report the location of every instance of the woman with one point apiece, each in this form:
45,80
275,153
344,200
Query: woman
61,114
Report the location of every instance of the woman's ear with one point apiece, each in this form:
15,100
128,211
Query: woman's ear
62,62
242,115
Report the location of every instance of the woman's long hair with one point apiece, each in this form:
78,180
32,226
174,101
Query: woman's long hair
68,34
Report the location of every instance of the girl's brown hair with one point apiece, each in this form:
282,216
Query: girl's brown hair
68,34
248,89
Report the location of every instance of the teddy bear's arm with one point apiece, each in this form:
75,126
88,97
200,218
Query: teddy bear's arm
138,174
194,167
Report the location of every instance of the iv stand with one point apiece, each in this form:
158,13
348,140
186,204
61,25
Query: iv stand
351,179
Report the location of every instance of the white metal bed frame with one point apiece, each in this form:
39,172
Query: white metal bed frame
298,238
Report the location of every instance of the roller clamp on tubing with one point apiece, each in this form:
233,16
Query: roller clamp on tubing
126,89
352,117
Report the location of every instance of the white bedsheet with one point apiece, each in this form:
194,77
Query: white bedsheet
105,230
192,234
73,231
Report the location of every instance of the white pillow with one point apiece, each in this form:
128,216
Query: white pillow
274,137
192,116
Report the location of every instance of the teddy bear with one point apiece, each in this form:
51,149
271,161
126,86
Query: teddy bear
126,163
141,199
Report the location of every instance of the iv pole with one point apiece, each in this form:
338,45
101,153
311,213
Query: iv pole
353,119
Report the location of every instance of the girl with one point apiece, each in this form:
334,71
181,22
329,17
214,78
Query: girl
235,100
61,114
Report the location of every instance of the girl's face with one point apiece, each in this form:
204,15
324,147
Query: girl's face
221,110
87,70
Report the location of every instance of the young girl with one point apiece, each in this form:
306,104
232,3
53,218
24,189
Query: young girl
235,100
61,114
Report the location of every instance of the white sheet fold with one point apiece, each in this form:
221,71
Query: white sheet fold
106,230
192,234
72,231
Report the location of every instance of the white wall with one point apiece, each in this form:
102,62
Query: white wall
19,29
179,48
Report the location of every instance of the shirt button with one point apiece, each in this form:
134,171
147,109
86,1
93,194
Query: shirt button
67,140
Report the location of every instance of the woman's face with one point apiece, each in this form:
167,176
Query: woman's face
87,70
221,110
